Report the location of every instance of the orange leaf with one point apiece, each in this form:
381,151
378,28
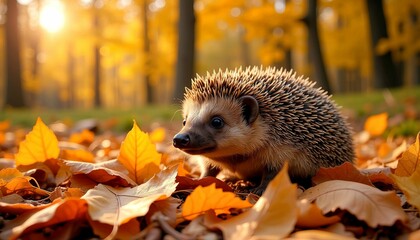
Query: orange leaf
376,125
7,174
40,144
207,198
4,125
345,171
272,217
367,203
410,160
139,155
77,155
310,216
84,137
60,212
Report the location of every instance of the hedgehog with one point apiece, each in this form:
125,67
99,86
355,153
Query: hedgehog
251,122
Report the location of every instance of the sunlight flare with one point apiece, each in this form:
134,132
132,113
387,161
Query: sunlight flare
52,16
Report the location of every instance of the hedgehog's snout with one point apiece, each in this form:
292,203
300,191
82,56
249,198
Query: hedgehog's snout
181,140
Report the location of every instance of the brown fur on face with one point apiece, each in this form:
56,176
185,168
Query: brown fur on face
235,138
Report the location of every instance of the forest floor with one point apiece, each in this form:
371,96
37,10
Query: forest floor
90,174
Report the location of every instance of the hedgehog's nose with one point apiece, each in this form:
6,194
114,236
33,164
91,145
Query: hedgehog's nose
181,140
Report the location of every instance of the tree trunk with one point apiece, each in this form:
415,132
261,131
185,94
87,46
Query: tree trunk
14,90
97,64
315,53
385,75
186,48
146,52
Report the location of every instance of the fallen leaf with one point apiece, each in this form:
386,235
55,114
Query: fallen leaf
4,125
367,203
272,217
207,198
59,212
190,183
310,216
168,207
85,137
380,174
109,172
125,231
318,235
77,155
139,155
23,187
115,206
410,159
40,144
14,204
410,186
158,135
346,172
7,175
376,125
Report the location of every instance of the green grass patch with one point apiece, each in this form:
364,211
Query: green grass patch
121,120
360,105
392,101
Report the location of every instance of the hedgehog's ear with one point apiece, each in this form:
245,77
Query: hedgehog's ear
250,108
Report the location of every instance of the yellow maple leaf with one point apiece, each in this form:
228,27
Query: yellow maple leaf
410,160
207,198
376,125
410,186
272,217
40,144
139,155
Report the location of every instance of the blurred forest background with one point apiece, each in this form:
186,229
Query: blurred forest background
126,53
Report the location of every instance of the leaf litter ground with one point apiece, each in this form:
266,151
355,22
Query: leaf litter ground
88,185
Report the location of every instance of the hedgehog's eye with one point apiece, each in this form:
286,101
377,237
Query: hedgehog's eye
183,122
217,122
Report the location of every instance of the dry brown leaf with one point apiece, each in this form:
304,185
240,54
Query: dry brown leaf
116,206
346,172
59,212
139,155
367,203
310,216
207,198
273,216
40,144
410,159
109,172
